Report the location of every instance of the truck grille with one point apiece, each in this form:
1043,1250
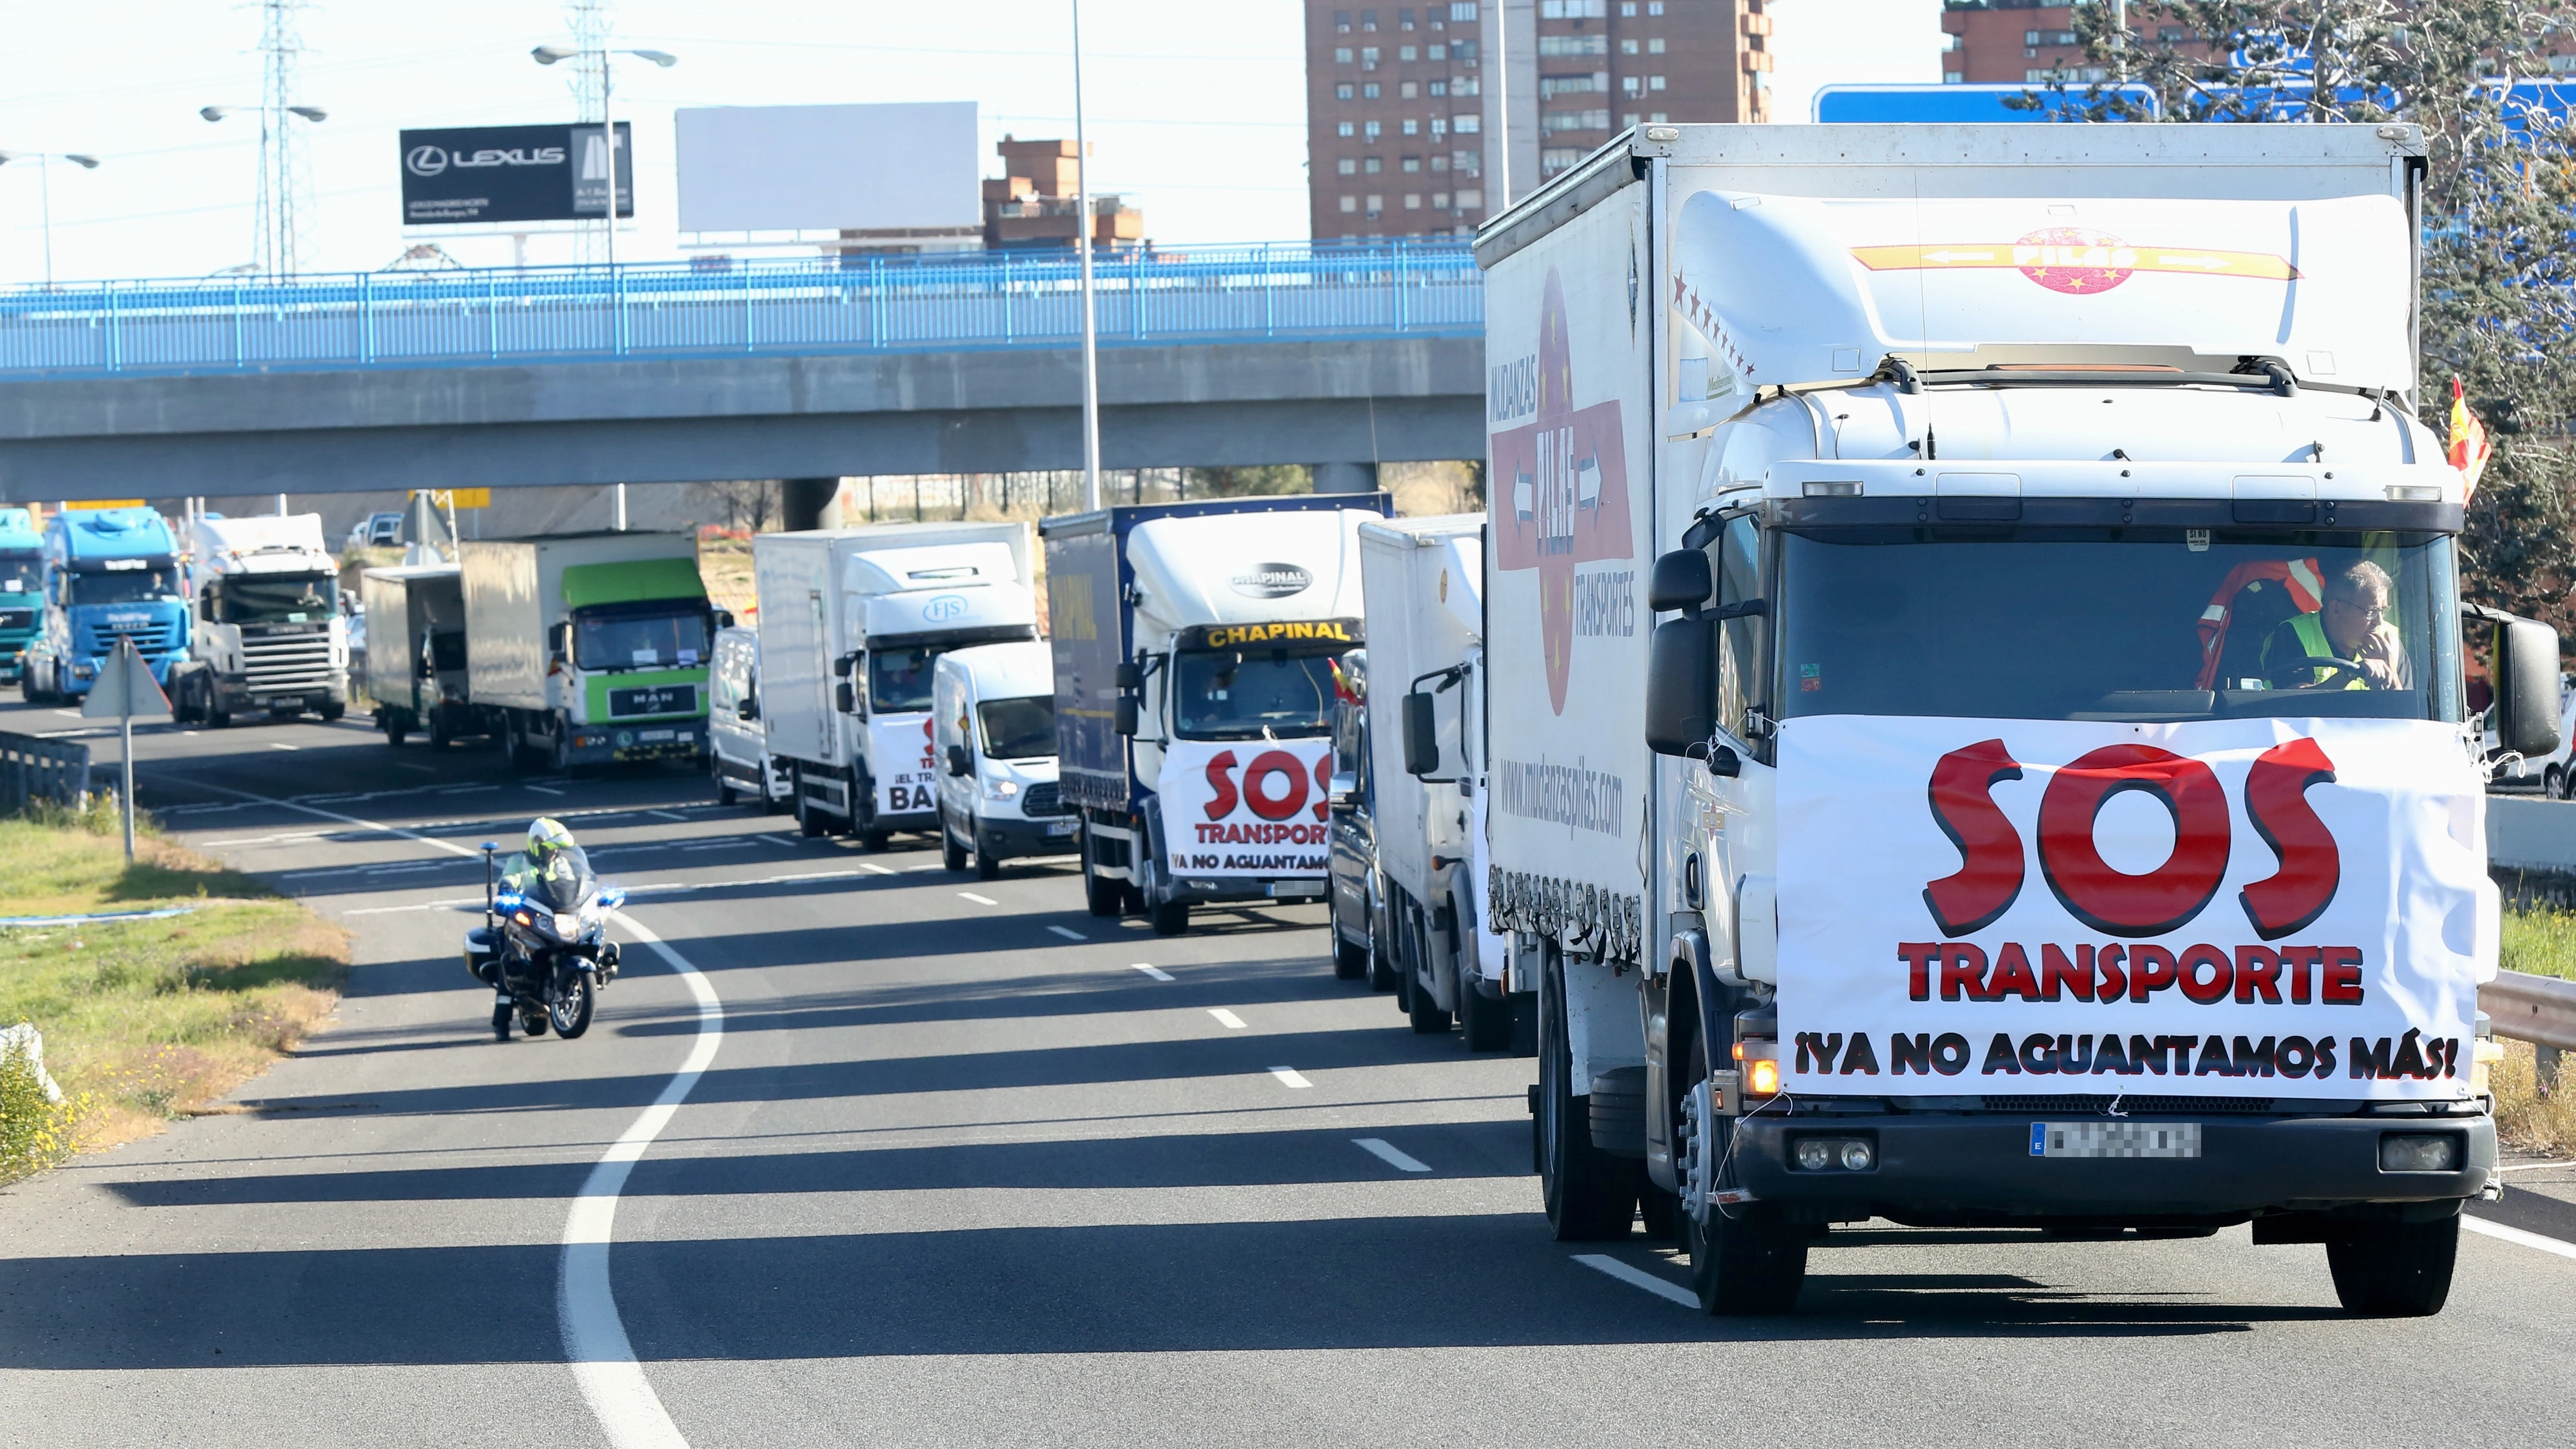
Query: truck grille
150,638
1043,800
287,663
2152,1106
17,618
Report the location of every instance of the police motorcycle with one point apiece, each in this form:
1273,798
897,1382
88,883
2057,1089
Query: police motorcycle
543,946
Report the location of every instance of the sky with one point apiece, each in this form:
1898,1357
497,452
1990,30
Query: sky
1196,108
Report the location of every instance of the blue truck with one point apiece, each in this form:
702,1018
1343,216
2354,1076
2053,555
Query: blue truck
22,567
109,574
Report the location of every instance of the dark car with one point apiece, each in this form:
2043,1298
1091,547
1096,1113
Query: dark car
1356,897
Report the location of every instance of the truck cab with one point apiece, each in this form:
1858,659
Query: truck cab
22,571
266,619
993,734
737,748
109,574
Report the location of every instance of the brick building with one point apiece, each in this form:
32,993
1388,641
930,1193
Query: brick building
1407,105
1035,201
2021,42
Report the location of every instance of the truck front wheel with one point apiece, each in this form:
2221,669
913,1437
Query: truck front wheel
1590,1195
2395,1270
1104,897
1747,1258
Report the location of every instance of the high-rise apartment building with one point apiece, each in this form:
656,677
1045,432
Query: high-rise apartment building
1424,119
2025,42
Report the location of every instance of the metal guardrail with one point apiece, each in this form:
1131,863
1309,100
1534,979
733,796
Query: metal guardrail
33,769
2540,1009
975,300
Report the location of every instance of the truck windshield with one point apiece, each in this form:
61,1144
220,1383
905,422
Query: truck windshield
899,677
19,572
1018,729
122,586
655,640
277,599
2176,625
1229,694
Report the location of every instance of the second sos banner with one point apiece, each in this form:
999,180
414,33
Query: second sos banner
907,768
1246,808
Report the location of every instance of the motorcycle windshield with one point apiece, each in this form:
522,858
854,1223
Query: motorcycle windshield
563,883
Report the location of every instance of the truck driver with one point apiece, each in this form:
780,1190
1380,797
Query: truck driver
2353,626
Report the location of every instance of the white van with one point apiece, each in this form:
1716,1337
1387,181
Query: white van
737,745
993,730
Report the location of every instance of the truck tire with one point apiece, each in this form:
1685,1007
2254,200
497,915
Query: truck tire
1105,898
809,821
1168,917
1421,1005
332,710
2395,1270
952,856
395,731
1350,962
1590,1195
1485,1022
1382,972
1746,1260
988,866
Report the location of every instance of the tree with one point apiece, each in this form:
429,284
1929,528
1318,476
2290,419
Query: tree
2499,223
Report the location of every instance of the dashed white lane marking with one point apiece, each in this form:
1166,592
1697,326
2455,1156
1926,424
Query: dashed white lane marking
2518,1237
979,900
716,845
934,865
542,790
467,789
1069,935
424,769
1290,1077
1226,1019
667,815
872,868
1636,1277
1388,1153
1157,972
594,1337
282,745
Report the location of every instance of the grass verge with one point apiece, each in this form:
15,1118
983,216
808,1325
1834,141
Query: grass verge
2527,1119
2540,941
147,1020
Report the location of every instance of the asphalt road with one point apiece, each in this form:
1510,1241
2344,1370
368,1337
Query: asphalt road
960,1171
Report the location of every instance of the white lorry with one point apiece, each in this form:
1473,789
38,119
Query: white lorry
851,622
2049,798
415,664
1194,647
585,649
737,744
265,622
993,732
1425,583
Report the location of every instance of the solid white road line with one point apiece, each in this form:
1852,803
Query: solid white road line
1226,1019
2518,1236
1387,1152
979,900
1157,972
1288,1076
1069,935
282,745
430,840
542,790
1639,1278
667,815
594,1337
872,868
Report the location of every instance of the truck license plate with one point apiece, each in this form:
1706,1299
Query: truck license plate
2115,1139
648,736
1060,827
1297,890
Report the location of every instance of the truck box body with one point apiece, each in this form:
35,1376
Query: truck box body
1179,590
594,645
1425,583
872,609
267,628
415,661
22,569
2027,464
110,574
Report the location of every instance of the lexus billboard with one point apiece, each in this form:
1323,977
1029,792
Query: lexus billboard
513,173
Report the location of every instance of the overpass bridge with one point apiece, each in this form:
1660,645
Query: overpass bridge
1334,355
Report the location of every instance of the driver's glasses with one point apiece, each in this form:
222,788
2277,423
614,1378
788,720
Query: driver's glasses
2370,616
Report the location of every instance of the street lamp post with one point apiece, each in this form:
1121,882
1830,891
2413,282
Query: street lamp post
1082,226
45,190
549,55
276,221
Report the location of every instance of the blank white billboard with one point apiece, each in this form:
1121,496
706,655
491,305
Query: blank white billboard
828,168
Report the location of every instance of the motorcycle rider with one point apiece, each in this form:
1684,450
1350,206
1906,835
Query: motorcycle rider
547,859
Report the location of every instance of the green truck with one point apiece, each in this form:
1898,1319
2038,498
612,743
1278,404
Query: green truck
590,648
22,595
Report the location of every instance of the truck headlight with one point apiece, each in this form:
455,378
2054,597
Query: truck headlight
2419,1152
1001,789
1827,1154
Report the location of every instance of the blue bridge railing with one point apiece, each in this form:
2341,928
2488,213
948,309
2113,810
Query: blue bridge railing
696,309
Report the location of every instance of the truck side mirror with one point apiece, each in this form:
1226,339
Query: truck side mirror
1131,676
841,666
1421,735
748,709
845,698
1125,710
1681,580
720,618
559,640
1681,681
2526,715
958,764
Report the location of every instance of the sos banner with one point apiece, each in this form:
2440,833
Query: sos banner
1246,808
2254,908
906,767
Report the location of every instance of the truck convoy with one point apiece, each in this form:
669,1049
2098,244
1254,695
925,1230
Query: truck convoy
1425,582
1991,747
993,734
22,571
109,574
852,620
1194,647
415,661
264,600
585,649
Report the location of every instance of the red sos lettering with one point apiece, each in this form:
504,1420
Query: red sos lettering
1274,785
1990,873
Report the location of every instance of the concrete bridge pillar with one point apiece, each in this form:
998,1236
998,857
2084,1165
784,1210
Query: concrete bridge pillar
803,502
1346,477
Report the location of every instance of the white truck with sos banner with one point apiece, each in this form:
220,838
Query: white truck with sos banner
852,621
1194,647
2050,798
1425,582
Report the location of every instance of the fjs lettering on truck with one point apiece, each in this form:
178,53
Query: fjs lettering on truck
1194,647
110,574
853,622
264,596
2043,786
22,568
